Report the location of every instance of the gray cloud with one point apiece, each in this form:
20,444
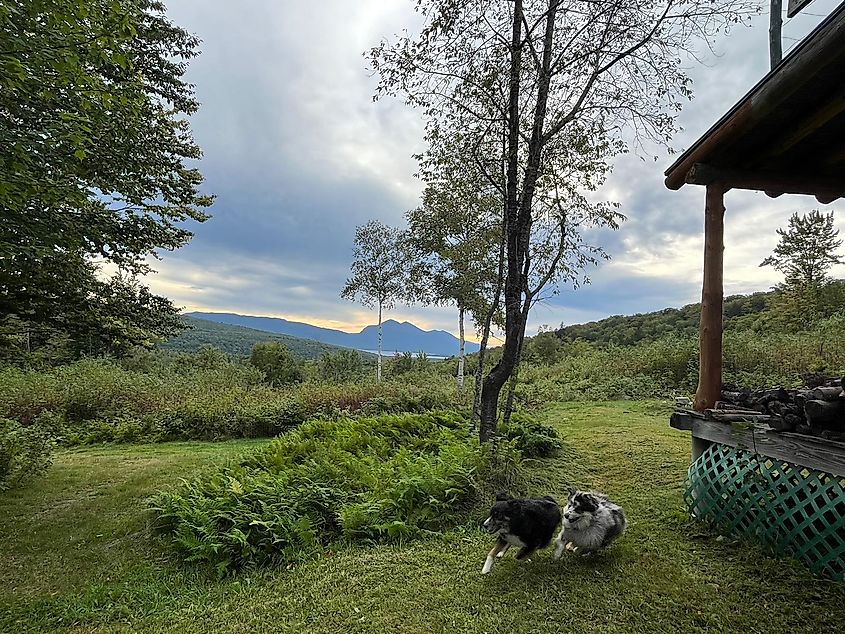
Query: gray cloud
298,155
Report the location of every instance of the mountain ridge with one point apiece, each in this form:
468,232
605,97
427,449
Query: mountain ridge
239,340
398,336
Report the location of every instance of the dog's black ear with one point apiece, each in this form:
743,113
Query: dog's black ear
572,493
501,496
590,502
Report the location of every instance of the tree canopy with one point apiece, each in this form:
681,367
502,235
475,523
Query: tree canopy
277,363
96,162
807,248
545,88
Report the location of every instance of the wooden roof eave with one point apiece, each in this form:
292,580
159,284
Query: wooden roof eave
701,164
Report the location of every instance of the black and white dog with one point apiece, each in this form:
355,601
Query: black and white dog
529,523
590,521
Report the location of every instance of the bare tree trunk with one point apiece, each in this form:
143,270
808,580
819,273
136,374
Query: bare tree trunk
482,355
494,381
512,381
485,334
461,353
518,209
378,367
775,26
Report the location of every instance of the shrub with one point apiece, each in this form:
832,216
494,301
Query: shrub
532,439
274,359
343,365
406,362
390,477
25,452
203,396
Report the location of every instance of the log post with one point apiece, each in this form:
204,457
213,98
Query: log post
710,328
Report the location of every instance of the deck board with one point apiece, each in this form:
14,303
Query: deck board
807,451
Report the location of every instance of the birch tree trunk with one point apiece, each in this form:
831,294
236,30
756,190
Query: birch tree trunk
461,350
378,367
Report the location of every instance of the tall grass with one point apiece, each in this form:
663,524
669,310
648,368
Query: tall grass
587,371
209,396
97,400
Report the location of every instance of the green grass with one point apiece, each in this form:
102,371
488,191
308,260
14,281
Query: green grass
74,556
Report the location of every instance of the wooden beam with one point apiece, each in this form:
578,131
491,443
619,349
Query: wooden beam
819,53
800,449
795,6
773,184
824,114
712,295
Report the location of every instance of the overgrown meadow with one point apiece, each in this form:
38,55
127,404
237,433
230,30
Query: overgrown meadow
339,466
352,459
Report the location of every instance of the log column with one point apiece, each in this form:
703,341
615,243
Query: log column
710,329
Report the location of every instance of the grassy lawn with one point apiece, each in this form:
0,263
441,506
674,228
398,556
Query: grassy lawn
75,557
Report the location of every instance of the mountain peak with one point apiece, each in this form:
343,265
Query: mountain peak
398,336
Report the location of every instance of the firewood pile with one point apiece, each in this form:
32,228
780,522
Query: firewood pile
817,409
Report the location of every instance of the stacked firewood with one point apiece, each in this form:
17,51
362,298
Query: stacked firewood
817,410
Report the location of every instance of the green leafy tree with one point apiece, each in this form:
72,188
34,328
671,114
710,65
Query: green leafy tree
546,346
807,249
380,271
405,362
401,363
805,253
94,164
279,366
543,83
343,365
456,232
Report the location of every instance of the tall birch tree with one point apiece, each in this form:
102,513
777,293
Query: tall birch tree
534,76
379,272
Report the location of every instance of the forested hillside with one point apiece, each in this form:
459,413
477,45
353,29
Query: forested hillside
397,337
742,312
239,340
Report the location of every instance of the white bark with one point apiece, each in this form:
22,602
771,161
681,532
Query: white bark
378,367
461,353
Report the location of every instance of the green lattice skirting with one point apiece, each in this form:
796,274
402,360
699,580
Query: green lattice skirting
798,511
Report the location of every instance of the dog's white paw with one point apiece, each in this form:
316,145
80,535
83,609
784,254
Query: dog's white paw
488,566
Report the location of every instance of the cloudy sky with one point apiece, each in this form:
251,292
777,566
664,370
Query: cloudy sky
298,155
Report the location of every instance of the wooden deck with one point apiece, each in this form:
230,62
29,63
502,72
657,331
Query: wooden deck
799,449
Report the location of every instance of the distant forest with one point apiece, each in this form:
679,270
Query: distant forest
741,312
